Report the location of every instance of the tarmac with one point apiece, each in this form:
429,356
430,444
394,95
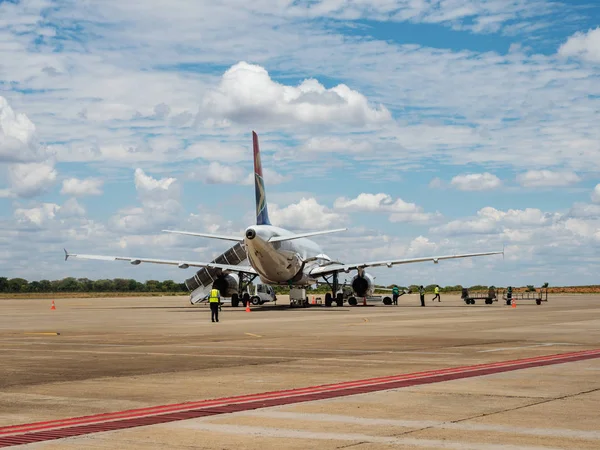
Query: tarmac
105,355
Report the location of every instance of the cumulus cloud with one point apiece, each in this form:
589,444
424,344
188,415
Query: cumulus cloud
80,188
400,210
18,138
476,182
491,220
217,173
596,194
547,178
30,173
42,214
160,205
29,180
585,46
307,214
247,94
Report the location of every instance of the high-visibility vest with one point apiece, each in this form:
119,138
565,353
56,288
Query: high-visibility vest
437,290
214,296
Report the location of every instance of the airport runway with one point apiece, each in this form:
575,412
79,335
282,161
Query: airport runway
444,376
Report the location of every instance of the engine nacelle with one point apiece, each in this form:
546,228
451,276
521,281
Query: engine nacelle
363,286
227,285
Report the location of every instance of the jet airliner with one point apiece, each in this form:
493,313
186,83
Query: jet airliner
279,256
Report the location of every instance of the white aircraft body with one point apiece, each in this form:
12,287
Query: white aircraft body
281,257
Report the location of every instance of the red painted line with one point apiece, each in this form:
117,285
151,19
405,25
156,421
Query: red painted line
56,429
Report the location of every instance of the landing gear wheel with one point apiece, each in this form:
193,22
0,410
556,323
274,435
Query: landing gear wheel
340,299
255,301
235,301
387,301
246,299
508,302
352,301
538,302
328,299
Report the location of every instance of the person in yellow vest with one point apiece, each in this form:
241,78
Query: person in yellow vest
437,294
215,300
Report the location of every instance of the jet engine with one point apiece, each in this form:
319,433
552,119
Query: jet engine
363,286
227,285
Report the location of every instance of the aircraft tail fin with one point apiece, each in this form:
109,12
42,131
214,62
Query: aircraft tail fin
262,212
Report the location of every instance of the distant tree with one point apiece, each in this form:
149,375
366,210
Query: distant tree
103,286
121,285
153,286
17,285
545,285
85,284
3,284
45,286
530,288
69,284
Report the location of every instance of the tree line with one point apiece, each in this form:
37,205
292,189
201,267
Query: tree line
70,284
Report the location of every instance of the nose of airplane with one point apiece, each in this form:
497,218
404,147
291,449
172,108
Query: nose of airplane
250,234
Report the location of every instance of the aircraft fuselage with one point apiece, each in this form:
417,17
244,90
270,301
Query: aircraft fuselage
282,263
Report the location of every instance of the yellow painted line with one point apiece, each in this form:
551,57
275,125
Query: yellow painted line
45,334
255,335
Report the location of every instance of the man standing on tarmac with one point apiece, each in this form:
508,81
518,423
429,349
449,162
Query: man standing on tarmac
395,294
215,301
422,295
437,294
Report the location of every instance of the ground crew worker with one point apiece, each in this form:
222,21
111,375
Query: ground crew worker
422,295
396,294
215,301
437,294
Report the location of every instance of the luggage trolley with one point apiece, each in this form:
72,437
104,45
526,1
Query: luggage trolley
538,296
489,298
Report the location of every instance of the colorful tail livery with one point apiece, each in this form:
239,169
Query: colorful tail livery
262,212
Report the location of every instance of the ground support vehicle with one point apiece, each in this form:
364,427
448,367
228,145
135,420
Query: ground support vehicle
489,297
538,296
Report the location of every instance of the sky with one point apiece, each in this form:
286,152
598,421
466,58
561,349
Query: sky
427,127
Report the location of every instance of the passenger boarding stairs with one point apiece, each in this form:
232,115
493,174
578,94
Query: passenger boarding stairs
201,283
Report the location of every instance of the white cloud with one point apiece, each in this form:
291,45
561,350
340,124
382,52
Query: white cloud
217,173
400,210
29,180
581,45
79,188
18,139
490,220
29,173
38,215
547,178
596,194
247,94
307,214
476,182
160,199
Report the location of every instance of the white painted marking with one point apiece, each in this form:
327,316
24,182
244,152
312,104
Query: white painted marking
465,426
196,424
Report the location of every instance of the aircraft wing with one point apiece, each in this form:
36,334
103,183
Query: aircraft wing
180,264
332,268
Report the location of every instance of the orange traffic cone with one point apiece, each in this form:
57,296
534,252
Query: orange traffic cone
53,307
514,303
314,302
248,306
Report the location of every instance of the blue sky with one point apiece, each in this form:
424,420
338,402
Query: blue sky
426,127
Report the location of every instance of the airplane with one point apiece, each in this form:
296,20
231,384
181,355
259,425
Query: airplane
281,257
